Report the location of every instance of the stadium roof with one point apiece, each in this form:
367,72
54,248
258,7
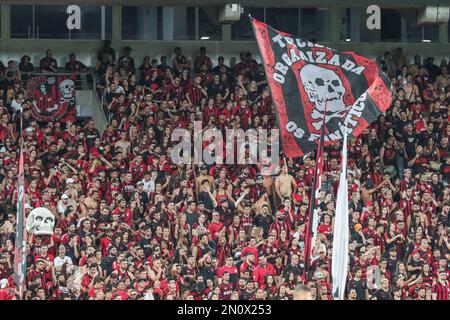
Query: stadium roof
250,3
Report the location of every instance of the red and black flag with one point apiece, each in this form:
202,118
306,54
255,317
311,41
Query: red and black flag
313,213
301,74
53,97
20,256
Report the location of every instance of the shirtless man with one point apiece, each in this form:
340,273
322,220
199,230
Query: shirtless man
284,184
367,190
92,200
124,144
203,176
411,90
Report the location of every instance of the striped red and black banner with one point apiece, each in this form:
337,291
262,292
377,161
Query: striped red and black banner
20,255
313,213
301,74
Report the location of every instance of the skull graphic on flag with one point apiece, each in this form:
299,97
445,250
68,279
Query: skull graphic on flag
323,86
53,97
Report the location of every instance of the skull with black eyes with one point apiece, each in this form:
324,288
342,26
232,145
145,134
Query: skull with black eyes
40,221
325,89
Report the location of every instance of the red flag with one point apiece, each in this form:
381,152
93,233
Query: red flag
313,213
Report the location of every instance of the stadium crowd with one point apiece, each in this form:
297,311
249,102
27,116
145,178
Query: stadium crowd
131,224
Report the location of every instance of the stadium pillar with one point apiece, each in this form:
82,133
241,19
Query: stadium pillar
355,18
174,21
5,21
116,23
226,32
334,24
443,33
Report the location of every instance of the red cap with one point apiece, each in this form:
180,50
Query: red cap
95,154
370,203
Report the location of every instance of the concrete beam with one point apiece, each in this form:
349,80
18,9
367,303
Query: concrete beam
334,25
252,3
5,16
443,33
116,23
226,32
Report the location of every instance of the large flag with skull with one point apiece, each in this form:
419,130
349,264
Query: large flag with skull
304,77
53,97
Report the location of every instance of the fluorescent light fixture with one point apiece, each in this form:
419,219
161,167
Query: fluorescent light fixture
348,39
426,40
204,38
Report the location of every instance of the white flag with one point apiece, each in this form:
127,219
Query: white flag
340,259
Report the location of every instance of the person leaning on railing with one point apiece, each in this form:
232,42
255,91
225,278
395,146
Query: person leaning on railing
48,64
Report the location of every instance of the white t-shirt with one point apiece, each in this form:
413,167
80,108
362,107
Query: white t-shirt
16,105
58,262
149,186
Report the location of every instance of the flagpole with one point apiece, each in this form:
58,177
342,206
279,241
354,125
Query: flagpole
312,223
20,256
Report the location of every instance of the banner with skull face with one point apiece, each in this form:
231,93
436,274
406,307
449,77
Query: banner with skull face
53,97
310,82
40,221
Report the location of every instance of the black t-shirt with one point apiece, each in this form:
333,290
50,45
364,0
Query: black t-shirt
50,159
145,244
26,67
107,263
246,295
436,188
207,272
191,218
383,295
294,269
360,287
71,253
214,89
415,264
263,222
91,135
203,197
226,215
423,137
392,265
410,141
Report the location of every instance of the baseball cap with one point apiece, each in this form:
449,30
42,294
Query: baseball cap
29,129
3,283
69,180
64,196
